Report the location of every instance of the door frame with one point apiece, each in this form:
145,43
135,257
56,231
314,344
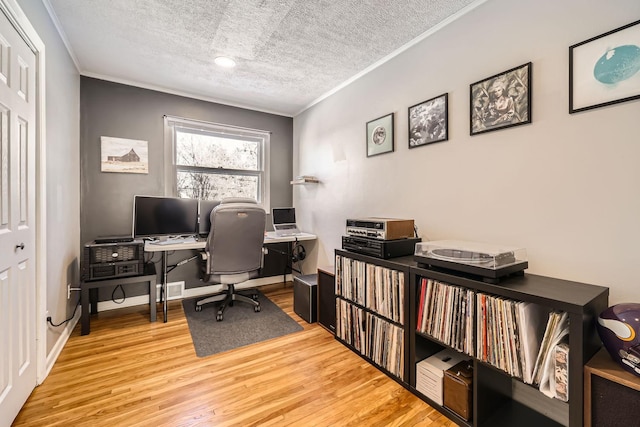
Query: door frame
20,21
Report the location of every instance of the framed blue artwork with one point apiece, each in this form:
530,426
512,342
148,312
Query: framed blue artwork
605,69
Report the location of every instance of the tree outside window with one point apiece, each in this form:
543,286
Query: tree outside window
215,162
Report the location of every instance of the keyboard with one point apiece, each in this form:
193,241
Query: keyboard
289,234
176,241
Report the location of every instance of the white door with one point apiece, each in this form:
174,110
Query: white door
17,222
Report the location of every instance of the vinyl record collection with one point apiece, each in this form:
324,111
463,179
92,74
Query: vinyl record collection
375,287
445,313
372,336
526,341
369,311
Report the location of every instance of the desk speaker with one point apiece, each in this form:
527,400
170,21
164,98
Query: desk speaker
611,394
327,298
305,294
112,260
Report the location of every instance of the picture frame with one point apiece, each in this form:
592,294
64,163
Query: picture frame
380,135
605,69
429,121
122,155
501,101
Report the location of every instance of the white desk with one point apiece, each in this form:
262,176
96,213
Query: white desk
199,244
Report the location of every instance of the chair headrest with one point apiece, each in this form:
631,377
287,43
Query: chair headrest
238,200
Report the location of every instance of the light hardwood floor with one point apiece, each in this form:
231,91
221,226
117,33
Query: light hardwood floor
130,372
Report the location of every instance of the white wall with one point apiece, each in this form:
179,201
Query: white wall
565,187
63,169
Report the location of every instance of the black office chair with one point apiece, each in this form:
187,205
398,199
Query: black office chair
234,251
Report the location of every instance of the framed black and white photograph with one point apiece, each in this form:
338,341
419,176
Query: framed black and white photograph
380,135
501,101
605,69
428,121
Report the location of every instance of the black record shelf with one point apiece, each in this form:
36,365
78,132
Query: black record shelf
498,398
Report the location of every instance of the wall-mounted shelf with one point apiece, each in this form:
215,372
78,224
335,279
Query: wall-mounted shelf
304,180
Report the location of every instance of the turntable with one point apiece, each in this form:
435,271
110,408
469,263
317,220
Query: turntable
489,262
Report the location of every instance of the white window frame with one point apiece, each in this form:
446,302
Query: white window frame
170,167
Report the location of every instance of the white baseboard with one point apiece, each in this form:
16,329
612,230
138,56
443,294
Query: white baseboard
191,293
60,343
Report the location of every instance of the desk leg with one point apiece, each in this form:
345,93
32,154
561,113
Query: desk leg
152,300
93,300
84,317
286,264
284,273
163,294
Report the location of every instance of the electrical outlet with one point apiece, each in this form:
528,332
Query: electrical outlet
68,290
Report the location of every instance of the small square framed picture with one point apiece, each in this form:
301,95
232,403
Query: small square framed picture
428,121
380,135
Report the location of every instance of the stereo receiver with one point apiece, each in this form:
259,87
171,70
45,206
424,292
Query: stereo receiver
380,228
380,248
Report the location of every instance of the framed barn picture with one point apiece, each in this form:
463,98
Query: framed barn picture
124,155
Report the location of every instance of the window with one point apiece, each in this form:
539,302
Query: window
211,161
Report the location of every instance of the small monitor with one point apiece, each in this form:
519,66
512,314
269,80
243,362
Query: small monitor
284,221
206,206
284,216
164,216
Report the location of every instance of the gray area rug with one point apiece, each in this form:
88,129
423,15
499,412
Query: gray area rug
241,325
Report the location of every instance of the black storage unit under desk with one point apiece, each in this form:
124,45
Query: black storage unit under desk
89,294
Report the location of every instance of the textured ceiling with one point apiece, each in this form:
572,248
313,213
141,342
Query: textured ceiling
289,53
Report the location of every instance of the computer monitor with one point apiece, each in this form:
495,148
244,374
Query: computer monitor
206,206
164,216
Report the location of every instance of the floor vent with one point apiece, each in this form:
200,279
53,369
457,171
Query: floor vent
175,290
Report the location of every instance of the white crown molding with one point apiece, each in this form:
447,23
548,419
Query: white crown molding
63,36
395,53
181,93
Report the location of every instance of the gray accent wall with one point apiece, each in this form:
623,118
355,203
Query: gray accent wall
122,111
